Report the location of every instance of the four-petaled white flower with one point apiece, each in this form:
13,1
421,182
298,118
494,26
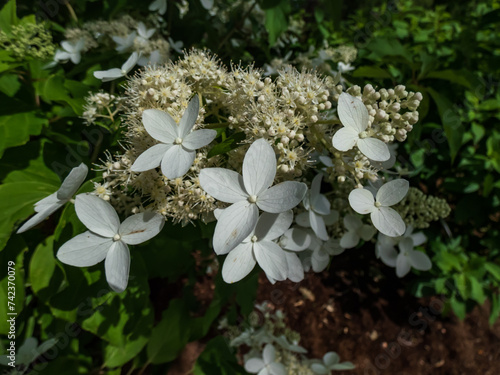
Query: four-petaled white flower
355,118
384,218
331,362
123,44
355,231
176,150
247,194
53,202
407,257
107,238
318,209
71,51
112,74
259,247
158,5
320,252
144,33
266,365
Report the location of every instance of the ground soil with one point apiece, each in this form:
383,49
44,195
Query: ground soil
373,323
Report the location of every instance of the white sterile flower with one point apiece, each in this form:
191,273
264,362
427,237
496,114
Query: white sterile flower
123,44
47,206
71,51
154,58
355,231
247,194
320,254
266,365
176,46
107,238
144,33
259,247
354,116
406,259
292,347
384,218
318,207
177,148
331,362
158,5
112,74
343,67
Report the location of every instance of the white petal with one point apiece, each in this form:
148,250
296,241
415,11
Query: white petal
160,125
189,117
72,182
68,47
259,167
406,245
272,259
362,201
40,216
418,238
199,139
141,227
108,75
271,226
374,149
234,225
388,221
177,161
320,259
388,254
333,247
277,369
402,265
318,225
349,240
269,354
76,57
303,219
352,223
319,369
352,112
47,202
295,268
367,232
315,187
295,239
254,365
79,45
420,261
151,158
61,55
331,358
282,197
239,263
117,266
326,160
321,205
97,215
84,250
223,184
345,139
392,192
131,62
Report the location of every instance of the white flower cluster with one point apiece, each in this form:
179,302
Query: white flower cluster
275,349
101,106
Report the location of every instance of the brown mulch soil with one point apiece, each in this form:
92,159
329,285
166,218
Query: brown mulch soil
381,329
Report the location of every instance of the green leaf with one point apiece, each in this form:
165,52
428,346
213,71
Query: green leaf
382,47
227,145
42,267
461,77
170,335
458,307
452,123
8,16
477,292
277,21
493,269
217,358
16,203
495,308
9,84
15,130
371,72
